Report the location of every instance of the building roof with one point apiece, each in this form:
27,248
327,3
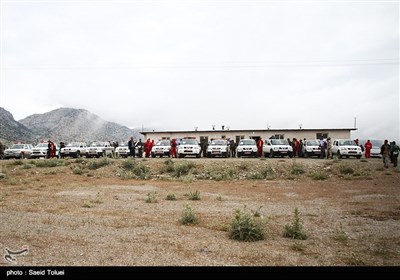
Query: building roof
247,130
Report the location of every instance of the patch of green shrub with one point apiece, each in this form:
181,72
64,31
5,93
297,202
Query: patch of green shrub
171,196
189,216
151,197
183,168
194,195
95,164
345,169
246,227
295,230
319,175
77,170
297,169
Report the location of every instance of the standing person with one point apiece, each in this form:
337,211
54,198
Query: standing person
322,146
131,147
395,153
151,146
294,147
203,146
52,150
368,147
48,148
139,144
385,152
1,150
173,148
260,144
232,146
301,148
62,145
391,151
147,148
329,148
297,145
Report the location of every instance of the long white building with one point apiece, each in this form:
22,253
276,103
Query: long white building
236,135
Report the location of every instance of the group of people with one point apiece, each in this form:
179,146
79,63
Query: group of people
390,153
324,145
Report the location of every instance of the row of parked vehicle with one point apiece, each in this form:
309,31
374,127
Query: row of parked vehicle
191,147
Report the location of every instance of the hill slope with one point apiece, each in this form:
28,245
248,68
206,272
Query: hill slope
11,130
68,124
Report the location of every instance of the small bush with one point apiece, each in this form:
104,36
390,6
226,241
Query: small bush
77,171
170,168
95,164
183,169
340,234
245,227
344,169
128,164
171,196
295,230
194,195
189,216
151,197
48,163
318,175
17,162
142,171
297,169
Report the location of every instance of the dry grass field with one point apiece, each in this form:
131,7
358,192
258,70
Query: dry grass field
124,212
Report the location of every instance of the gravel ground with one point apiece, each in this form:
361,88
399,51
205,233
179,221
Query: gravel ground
79,213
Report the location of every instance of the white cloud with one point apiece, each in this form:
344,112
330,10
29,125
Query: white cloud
181,64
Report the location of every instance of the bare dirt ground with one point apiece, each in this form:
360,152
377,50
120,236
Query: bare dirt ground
82,212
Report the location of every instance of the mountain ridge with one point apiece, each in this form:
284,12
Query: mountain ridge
63,125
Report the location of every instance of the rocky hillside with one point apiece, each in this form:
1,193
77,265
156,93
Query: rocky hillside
11,130
65,124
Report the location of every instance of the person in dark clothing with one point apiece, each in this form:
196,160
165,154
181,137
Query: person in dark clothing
131,147
385,152
232,147
203,146
394,151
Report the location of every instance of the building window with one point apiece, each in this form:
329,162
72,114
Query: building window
279,136
165,138
323,135
223,136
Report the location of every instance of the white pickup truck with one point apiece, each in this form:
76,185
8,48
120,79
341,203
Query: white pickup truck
218,147
277,147
346,147
74,149
98,149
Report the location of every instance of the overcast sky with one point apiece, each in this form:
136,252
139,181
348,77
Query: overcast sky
177,65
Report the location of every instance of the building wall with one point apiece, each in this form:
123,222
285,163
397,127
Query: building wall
265,134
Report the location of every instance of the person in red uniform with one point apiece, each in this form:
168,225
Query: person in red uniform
147,148
260,144
173,148
368,147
